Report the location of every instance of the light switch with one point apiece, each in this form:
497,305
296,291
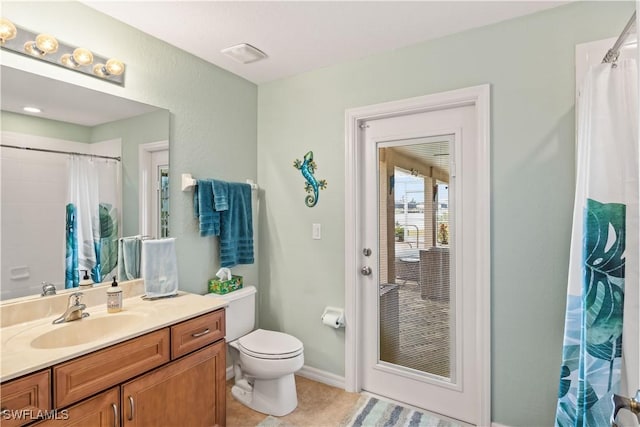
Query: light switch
316,232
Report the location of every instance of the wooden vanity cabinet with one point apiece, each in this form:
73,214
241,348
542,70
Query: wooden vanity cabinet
22,400
175,376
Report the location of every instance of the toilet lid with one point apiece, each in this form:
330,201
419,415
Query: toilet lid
270,345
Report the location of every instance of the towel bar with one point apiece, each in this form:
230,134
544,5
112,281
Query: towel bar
188,181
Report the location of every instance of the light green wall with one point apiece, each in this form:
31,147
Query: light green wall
529,63
22,123
150,127
213,128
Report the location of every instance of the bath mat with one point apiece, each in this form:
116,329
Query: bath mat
274,422
372,412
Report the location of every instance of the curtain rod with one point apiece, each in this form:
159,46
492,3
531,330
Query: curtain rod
61,152
612,54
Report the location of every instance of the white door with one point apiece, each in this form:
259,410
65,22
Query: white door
422,288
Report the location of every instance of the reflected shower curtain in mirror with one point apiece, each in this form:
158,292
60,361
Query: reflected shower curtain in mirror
604,246
92,219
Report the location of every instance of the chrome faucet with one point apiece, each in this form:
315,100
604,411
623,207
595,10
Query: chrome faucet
620,402
48,289
74,310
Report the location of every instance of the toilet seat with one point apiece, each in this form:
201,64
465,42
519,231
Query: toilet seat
263,344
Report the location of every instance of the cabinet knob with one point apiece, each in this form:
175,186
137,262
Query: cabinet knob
115,414
199,334
132,409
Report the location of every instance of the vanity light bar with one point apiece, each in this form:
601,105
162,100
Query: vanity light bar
46,47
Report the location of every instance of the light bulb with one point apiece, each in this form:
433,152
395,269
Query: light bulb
114,67
99,70
47,43
32,49
7,30
44,44
67,60
82,56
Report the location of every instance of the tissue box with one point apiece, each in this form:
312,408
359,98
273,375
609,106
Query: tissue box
225,286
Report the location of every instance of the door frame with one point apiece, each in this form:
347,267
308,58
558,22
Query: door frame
479,97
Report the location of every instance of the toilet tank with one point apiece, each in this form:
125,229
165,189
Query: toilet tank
240,314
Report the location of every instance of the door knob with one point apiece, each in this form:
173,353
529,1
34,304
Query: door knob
365,271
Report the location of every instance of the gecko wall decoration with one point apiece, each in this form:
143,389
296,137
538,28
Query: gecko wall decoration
308,167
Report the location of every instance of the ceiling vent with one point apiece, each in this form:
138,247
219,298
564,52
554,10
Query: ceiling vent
244,53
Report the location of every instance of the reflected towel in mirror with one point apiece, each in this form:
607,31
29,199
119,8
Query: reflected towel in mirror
129,249
159,267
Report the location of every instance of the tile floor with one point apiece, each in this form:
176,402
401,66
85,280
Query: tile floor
319,405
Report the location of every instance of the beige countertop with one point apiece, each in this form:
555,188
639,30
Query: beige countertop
19,356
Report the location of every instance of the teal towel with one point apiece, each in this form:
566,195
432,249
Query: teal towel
236,229
204,209
129,257
220,195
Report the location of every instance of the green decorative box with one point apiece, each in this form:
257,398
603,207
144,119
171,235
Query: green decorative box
225,286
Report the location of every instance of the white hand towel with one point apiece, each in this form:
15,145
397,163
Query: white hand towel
159,267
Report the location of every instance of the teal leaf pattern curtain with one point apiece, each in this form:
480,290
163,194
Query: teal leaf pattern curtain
92,219
604,251
592,353
71,273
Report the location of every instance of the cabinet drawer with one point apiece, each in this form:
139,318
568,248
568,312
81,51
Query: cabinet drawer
90,374
196,333
24,398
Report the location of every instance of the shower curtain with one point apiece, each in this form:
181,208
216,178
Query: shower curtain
604,245
92,218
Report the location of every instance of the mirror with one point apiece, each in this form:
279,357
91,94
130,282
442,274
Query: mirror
35,183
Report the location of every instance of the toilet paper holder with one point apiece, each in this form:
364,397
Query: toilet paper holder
333,317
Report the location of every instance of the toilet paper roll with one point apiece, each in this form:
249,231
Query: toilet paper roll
331,319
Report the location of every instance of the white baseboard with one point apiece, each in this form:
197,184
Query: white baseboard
498,425
321,376
315,374
230,373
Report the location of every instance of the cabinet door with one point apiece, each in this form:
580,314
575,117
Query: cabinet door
25,399
102,410
187,392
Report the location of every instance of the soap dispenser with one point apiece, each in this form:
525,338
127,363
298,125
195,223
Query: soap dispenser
86,281
114,297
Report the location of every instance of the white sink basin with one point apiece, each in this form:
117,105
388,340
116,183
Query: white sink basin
84,331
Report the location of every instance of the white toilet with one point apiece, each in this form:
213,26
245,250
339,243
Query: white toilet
263,361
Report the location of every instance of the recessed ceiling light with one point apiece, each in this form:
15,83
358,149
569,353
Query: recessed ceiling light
32,109
244,53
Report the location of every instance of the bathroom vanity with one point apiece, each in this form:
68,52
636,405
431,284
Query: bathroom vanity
162,364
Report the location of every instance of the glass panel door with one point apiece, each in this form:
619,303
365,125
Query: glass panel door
417,299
